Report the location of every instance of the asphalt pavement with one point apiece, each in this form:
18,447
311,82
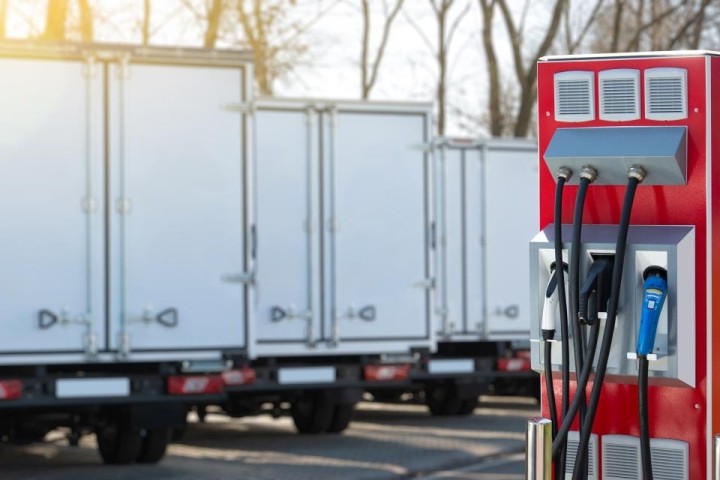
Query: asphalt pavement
384,441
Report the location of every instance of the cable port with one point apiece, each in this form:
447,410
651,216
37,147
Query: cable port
595,292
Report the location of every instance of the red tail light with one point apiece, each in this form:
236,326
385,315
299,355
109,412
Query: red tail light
240,376
10,389
513,364
385,373
194,384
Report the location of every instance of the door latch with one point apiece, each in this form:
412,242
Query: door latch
245,278
367,313
167,318
47,319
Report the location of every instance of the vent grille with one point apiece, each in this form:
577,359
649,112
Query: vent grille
574,98
573,439
621,458
619,95
666,93
669,459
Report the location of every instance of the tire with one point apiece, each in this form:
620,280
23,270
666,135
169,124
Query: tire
312,415
342,417
154,445
442,401
117,444
178,433
467,407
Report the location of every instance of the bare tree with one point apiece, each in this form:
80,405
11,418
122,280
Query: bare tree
524,67
576,30
634,25
496,117
145,23
278,43
55,20
3,18
447,26
369,69
214,16
86,20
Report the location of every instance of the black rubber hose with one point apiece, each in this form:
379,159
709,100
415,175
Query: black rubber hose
563,430
562,305
620,248
644,420
549,387
577,331
574,272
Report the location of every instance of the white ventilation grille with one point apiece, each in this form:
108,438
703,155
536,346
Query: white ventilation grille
573,439
619,95
670,459
665,93
621,458
574,96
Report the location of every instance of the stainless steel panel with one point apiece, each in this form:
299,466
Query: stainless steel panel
613,150
673,248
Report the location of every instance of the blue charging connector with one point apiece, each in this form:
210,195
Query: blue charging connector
654,294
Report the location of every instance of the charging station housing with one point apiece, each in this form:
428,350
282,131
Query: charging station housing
657,111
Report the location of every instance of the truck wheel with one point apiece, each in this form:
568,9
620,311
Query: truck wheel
154,445
467,407
118,444
442,401
312,415
342,417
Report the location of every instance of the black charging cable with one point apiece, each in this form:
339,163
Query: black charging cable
587,176
635,176
594,289
645,457
563,175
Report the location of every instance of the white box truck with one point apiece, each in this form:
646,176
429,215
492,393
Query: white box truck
342,293
485,199
487,208
122,240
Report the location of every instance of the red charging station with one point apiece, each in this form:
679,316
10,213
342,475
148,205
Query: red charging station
597,103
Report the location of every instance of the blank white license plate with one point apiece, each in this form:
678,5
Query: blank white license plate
460,365
92,387
306,375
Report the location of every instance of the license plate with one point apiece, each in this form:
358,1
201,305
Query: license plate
92,387
460,365
306,375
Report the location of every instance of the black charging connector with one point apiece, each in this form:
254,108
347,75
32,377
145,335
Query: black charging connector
596,288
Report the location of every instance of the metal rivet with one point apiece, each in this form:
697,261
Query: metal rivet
547,114
697,406
697,110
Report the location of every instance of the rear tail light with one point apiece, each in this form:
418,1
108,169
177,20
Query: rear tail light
241,376
513,364
194,384
384,373
10,389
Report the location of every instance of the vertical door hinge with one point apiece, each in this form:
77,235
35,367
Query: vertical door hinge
123,206
124,345
123,71
89,66
89,205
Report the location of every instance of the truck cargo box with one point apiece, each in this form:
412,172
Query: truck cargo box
343,222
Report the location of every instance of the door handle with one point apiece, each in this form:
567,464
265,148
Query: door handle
47,319
168,317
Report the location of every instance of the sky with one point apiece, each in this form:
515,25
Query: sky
330,68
